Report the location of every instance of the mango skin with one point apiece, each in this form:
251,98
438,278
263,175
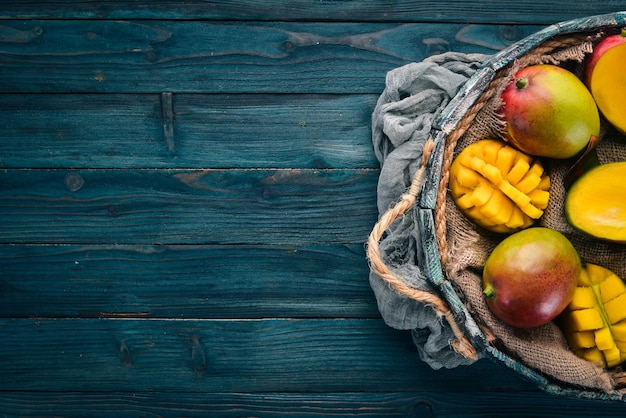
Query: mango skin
530,277
549,112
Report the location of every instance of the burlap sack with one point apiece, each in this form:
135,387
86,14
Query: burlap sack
543,348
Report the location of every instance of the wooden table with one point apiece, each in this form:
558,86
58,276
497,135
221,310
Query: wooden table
185,193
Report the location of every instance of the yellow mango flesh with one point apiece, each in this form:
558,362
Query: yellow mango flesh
594,323
498,187
595,204
608,85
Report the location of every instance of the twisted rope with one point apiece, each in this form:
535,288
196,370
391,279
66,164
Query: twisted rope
461,344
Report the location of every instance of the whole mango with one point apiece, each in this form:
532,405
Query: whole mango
549,112
530,276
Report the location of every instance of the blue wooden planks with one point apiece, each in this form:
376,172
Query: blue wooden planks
118,131
214,355
521,11
185,189
210,206
185,281
105,56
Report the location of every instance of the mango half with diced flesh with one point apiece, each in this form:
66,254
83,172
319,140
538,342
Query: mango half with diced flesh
596,202
594,323
498,187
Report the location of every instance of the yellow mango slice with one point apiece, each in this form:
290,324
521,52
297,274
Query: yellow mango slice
597,273
497,204
518,171
619,331
545,183
484,181
595,203
584,279
584,339
612,355
611,287
465,201
616,308
594,323
583,298
514,194
586,319
516,220
539,198
529,182
531,211
604,339
607,83
491,151
481,194
467,177
593,355
505,159
621,345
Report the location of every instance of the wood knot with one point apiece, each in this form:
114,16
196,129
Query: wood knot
125,354
73,182
198,355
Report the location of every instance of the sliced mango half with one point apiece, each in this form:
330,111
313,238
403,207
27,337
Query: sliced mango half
596,202
607,83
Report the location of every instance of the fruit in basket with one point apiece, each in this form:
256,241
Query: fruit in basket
606,78
530,276
549,112
596,202
594,323
498,187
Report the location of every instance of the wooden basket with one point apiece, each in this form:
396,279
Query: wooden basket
427,197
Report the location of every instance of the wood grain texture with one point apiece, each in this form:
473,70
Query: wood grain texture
282,206
185,190
185,281
207,131
492,403
521,11
268,355
95,56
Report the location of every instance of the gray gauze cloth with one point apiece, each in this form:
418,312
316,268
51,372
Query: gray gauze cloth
401,123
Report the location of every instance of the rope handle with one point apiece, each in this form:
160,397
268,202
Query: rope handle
460,344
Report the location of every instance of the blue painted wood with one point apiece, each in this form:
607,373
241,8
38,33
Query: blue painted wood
497,402
211,206
207,131
97,56
185,192
507,11
247,355
185,281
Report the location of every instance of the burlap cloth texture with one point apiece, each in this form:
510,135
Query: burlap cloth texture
401,124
